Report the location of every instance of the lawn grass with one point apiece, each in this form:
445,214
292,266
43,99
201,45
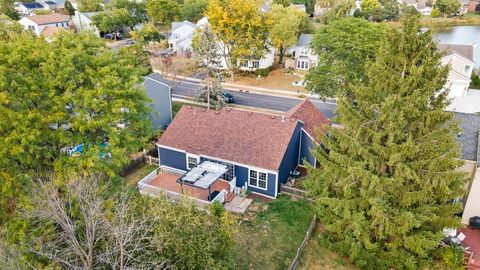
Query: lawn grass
270,233
132,178
176,105
467,19
316,257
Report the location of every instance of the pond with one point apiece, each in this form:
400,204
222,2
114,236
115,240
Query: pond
466,34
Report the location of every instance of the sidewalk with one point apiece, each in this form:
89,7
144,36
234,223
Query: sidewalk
252,89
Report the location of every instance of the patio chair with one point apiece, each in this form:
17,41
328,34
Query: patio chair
459,239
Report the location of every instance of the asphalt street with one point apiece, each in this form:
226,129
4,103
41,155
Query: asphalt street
187,89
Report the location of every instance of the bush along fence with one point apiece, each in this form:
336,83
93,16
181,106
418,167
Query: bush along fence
296,260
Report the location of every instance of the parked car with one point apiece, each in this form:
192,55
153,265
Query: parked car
112,36
228,98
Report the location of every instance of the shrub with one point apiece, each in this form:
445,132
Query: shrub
451,257
475,81
435,13
262,72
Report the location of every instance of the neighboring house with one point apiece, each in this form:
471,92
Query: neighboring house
27,9
249,64
83,21
472,5
50,31
260,151
39,22
302,54
469,142
419,5
461,61
180,38
161,104
53,4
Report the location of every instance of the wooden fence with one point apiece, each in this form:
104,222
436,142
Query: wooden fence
152,160
299,193
135,164
296,260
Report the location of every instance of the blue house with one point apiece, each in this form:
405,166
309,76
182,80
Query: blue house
259,150
161,100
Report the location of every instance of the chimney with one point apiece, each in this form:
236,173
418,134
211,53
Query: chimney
283,118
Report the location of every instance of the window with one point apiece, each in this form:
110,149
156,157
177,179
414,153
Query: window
192,161
176,36
467,69
31,27
245,63
302,64
257,179
256,64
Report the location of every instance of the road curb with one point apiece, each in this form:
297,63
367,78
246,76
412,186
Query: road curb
242,107
253,89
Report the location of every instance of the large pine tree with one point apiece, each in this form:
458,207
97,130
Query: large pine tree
386,180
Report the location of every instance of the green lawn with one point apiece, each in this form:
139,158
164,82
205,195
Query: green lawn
176,105
137,175
270,233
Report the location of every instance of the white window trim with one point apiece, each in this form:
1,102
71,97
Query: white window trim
258,171
192,156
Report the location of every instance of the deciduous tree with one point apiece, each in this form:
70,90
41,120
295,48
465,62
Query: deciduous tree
448,7
137,10
94,223
386,180
192,10
242,29
163,12
61,94
90,5
112,20
343,47
284,3
286,26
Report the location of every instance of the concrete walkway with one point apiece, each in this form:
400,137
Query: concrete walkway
238,205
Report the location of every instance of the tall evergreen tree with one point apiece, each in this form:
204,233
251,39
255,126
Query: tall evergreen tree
386,180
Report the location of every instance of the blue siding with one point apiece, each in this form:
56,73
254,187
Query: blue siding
290,158
305,147
172,158
271,184
242,175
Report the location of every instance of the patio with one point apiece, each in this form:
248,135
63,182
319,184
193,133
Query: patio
472,240
168,181
206,188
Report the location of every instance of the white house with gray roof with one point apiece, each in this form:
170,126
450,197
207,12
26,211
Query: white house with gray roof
83,21
302,53
461,61
181,36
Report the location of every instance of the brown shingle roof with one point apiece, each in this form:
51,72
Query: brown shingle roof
313,119
240,136
49,31
466,51
49,18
